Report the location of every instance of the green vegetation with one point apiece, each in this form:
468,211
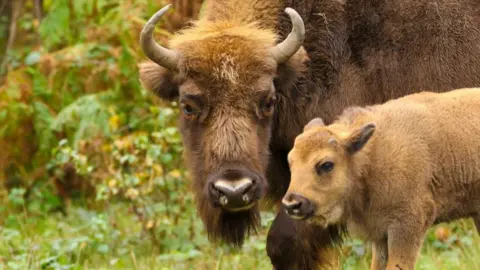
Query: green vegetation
91,171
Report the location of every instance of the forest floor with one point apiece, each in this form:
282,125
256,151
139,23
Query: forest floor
113,239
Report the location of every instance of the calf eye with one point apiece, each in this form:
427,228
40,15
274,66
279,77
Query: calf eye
324,167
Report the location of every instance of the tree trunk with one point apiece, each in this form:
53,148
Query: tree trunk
5,14
38,6
12,10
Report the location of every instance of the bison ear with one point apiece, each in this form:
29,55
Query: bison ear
315,122
357,140
159,80
299,59
288,72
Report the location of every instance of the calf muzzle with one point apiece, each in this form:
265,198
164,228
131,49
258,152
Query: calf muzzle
297,206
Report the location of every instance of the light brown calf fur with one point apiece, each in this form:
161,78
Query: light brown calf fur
389,172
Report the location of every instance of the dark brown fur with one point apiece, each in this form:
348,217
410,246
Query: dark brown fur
399,168
287,251
359,53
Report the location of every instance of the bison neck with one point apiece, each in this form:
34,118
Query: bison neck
323,87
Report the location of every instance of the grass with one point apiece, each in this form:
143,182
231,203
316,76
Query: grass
109,240
114,239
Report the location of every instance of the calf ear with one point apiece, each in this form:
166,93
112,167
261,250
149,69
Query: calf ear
315,122
159,80
359,138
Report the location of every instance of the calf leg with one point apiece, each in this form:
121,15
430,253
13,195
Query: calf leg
404,243
380,255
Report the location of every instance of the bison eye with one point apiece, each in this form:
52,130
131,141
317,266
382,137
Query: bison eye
324,167
188,110
269,106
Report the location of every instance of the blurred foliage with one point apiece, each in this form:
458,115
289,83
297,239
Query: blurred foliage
75,122
91,173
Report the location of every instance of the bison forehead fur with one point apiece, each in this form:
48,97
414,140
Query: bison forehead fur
236,56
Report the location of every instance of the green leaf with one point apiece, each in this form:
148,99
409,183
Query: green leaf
55,28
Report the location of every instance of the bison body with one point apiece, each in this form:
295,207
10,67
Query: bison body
242,107
389,172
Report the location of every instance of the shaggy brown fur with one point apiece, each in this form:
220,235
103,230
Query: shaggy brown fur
396,169
359,53
185,10
287,251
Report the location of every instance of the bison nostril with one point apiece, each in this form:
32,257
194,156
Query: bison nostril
214,190
223,200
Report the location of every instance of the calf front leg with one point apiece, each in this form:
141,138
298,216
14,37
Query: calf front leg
379,255
404,243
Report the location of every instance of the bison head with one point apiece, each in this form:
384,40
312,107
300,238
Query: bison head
222,73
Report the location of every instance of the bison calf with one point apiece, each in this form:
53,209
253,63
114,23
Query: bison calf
389,172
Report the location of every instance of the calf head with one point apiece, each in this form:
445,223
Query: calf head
324,165
222,73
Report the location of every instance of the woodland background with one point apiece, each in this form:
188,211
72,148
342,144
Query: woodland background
91,175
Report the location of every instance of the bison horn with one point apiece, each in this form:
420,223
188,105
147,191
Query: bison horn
287,48
158,54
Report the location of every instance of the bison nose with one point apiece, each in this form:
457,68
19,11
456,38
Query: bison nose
296,206
234,195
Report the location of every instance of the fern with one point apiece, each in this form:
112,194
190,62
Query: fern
86,117
40,84
43,119
55,28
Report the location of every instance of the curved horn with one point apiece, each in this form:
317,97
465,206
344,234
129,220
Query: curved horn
158,54
287,48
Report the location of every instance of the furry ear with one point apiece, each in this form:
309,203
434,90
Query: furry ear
315,122
159,80
288,72
299,59
357,140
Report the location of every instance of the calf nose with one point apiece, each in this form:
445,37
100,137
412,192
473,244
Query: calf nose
234,195
296,206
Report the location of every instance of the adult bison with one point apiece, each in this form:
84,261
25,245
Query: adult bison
244,97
